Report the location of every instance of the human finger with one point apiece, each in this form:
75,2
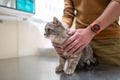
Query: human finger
71,46
71,32
69,41
78,51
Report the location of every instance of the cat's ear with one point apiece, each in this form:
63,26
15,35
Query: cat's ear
56,21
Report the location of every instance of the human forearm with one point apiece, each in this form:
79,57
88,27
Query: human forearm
82,37
110,14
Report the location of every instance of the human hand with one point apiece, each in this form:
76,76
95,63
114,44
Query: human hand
58,48
79,40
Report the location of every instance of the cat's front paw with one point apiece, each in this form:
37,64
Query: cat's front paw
69,71
59,69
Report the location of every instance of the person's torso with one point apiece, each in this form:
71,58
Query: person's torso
89,10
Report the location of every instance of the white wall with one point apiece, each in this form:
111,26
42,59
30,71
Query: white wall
47,9
8,39
19,38
29,38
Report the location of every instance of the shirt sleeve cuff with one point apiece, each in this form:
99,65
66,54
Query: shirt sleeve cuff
67,21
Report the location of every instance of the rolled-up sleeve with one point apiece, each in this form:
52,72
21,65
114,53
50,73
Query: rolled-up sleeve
68,12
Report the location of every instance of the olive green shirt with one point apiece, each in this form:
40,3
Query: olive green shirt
85,12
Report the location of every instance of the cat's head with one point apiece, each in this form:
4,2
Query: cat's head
54,29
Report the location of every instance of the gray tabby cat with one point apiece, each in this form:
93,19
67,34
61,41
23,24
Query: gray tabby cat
57,33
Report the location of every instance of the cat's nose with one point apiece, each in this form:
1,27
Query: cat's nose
44,34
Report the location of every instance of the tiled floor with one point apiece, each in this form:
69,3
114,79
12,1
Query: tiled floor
42,68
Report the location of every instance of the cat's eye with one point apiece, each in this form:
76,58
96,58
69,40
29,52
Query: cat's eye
48,30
